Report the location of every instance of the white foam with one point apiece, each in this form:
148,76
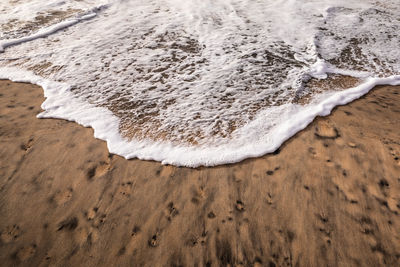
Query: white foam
61,103
194,71
44,32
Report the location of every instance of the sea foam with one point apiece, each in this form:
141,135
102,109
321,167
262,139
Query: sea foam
194,83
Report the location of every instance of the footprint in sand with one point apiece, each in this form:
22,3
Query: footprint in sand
325,130
154,241
198,194
61,197
11,233
393,204
325,228
368,228
133,241
91,213
99,220
86,236
158,171
81,236
125,189
69,224
194,240
26,146
203,238
172,211
271,172
135,230
313,152
269,199
99,170
25,253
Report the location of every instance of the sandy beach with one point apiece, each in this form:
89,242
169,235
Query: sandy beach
329,197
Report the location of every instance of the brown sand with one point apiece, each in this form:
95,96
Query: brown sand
331,197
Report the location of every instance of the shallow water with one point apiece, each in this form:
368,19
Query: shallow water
199,82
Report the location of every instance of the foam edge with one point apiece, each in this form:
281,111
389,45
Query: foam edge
60,103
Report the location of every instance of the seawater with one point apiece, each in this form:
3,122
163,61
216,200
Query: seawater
198,82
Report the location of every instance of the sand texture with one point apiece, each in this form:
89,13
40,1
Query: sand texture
329,197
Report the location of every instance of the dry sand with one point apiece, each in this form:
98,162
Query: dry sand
330,197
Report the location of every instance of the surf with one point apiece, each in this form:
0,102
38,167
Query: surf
199,83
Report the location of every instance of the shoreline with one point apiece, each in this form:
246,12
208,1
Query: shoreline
60,103
333,186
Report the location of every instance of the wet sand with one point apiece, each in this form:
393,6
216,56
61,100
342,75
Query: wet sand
329,197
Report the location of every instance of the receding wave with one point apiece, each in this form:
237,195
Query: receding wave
199,82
